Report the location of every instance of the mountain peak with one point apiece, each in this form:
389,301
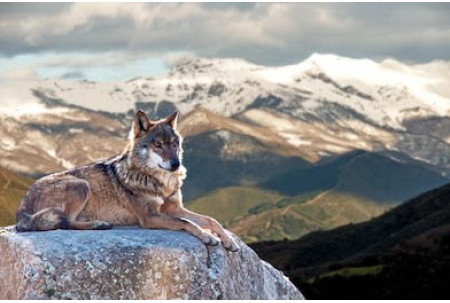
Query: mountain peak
196,65
335,62
321,56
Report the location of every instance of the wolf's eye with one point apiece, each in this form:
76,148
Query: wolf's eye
157,144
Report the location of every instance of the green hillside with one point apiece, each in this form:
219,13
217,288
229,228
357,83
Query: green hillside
232,204
12,189
350,189
257,215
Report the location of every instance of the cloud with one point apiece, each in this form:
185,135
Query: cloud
20,74
83,60
264,33
81,15
176,58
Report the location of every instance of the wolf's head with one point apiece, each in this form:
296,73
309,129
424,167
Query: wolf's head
155,144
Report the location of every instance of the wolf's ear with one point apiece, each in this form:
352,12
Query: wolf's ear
140,123
172,120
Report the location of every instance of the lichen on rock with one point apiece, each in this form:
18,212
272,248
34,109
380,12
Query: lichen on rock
132,263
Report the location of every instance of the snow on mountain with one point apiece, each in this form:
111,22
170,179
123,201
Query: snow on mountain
16,100
384,93
315,140
19,97
321,106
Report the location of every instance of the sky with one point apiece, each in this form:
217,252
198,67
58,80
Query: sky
120,41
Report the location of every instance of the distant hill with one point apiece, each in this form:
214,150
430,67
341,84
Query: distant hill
12,189
222,158
404,253
353,188
364,174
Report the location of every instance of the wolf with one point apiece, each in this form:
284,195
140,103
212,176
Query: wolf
140,186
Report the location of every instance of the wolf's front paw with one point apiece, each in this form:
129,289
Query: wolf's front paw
209,239
231,245
98,225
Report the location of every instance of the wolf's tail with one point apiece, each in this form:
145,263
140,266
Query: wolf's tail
45,219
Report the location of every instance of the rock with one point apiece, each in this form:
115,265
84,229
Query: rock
132,263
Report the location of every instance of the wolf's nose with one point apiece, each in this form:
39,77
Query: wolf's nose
174,163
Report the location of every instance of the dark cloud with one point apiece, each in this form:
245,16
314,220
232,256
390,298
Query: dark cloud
15,10
265,33
73,75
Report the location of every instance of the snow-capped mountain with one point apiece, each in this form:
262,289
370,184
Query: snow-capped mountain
385,93
326,105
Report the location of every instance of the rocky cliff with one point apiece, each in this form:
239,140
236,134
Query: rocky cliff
132,263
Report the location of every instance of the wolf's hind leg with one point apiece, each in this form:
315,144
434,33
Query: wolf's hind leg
78,195
75,194
60,206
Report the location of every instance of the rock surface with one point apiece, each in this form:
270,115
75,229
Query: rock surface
132,263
